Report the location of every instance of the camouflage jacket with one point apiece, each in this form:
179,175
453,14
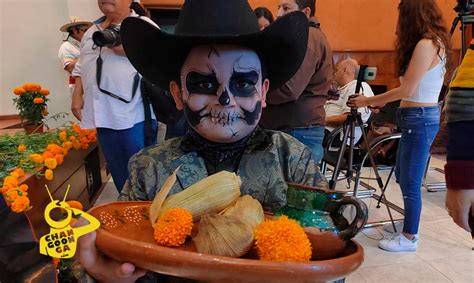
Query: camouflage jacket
271,160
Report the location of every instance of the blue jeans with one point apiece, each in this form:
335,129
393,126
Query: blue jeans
419,126
312,137
118,146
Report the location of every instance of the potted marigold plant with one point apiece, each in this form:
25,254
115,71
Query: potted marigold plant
31,100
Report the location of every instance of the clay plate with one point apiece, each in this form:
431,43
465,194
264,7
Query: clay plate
126,235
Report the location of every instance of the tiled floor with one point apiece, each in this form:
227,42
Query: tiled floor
444,252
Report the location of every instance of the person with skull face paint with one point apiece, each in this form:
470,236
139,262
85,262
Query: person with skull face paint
218,71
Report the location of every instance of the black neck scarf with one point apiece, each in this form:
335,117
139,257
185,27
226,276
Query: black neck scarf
218,156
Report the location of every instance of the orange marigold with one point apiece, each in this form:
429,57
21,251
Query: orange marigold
173,227
20,204
75,204
63,135
20,172
67,145
282,239
38,158
44,112
38,100
48,174
11,180
76,144
14,194
47,154
44,92
51,163
21,147
54,149
19,91
23,187
59,158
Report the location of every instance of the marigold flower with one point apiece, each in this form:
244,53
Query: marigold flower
20,172
54,149
63,135
11,180
32,87
38,158
44,112
75,204
14,194
26,87
173,227
72,138
15,175
59,158
38,100
67,145
48,174
47,154
51,163
44,92
23,187
19,91
282,239
21,147
76,144
20,204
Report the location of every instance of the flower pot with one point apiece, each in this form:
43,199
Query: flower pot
32,128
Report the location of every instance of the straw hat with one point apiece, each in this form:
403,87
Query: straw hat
74,21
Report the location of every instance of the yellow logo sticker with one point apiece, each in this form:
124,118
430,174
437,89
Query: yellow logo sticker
61,241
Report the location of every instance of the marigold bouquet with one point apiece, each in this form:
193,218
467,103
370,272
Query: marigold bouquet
37,154
31,101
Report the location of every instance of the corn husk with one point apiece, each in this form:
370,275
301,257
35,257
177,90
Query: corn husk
248,210
223,235
160,197
210,195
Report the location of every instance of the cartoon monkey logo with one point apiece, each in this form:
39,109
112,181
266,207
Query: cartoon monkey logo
61,241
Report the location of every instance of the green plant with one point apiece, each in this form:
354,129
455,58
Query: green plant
31,101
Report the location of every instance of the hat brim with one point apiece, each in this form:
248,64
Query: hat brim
158,55
65,27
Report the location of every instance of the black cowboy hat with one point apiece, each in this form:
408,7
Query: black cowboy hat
158,55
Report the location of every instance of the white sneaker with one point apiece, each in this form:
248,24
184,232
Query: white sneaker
399,243
389,227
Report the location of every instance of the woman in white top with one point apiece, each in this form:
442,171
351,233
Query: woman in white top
422,49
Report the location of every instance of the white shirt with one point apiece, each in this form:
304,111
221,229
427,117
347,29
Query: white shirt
101,110
68,51
338,107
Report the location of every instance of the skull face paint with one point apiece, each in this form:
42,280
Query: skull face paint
222,91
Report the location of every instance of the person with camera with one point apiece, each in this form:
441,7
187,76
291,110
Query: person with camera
423,55
337,110
107,95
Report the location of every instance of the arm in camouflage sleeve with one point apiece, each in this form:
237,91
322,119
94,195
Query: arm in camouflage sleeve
305,171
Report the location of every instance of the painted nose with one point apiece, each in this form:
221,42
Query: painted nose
224,99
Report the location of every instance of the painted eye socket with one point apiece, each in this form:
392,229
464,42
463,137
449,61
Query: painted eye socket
206,85
243,85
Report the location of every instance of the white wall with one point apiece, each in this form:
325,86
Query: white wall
29,42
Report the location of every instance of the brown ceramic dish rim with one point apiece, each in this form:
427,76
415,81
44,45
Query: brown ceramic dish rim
332,264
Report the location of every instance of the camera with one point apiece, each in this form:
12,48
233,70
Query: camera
464,7
109,37
369,73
